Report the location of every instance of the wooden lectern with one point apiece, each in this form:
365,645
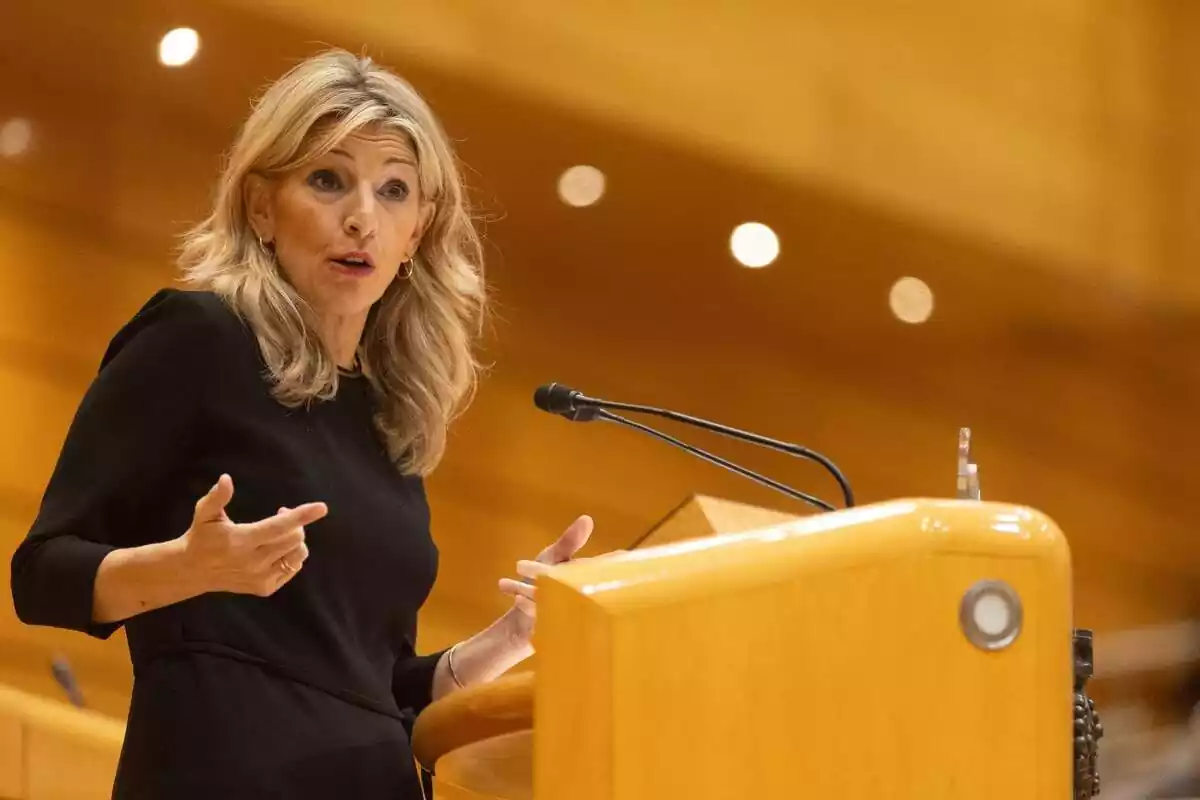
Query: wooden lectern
917,649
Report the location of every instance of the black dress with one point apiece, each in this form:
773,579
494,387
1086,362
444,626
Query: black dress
304,694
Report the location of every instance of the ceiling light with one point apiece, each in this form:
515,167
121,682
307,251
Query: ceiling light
178,47
911,300
581,185
754,244
15,136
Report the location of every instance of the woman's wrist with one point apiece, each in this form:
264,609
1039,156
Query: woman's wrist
489,654
458,682
134,580
482,658
517,629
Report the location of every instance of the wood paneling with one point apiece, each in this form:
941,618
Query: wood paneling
1081,394
1036,124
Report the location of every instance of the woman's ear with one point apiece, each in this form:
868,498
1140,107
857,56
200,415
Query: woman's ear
259,208
424,219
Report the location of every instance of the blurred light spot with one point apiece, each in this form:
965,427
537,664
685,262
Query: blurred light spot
15,136
178,47
581,185
911,300
754,244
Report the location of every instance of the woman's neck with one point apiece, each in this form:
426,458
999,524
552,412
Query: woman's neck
342,335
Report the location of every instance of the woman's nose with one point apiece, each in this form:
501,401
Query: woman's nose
360,219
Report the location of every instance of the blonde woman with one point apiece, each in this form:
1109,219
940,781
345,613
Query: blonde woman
241,487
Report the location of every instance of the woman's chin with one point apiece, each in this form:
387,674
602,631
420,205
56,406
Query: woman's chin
342,298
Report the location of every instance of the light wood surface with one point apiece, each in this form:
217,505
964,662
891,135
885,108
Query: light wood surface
497,768
821,657
703,516
473,714
52,751
818,658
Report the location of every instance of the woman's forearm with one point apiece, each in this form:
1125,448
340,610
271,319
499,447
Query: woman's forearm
484,657
134,580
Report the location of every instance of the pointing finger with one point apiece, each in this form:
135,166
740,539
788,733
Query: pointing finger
272,528
572,539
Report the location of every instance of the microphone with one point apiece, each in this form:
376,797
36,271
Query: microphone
64,676
558,399
573,405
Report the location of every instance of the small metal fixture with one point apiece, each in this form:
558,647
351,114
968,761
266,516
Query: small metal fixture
991,615
968,471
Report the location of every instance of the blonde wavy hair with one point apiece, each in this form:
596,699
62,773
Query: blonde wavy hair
418,348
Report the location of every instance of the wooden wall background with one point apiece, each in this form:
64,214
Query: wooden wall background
1035,163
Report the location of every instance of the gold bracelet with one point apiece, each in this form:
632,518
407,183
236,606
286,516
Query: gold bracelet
450,665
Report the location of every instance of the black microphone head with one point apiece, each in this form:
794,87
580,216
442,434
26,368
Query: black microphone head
555,398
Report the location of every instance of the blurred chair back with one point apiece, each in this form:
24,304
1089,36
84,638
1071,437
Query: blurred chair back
50,750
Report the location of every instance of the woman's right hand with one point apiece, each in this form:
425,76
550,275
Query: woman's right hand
251,558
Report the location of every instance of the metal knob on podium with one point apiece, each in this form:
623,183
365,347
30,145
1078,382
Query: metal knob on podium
968,471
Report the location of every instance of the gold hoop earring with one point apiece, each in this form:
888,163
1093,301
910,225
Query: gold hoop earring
408,268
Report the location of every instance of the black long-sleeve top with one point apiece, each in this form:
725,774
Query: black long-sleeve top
301,694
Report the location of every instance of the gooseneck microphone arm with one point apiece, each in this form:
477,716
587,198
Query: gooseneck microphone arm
603,414
572,404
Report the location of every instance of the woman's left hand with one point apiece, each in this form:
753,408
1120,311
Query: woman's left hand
524,612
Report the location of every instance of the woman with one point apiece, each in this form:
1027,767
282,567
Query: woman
242,484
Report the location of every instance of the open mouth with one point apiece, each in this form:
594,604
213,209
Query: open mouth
353,264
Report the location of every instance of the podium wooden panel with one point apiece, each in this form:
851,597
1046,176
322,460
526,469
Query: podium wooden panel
702,515
497,768
815,657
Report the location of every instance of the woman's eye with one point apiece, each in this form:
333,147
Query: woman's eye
396,190
324,180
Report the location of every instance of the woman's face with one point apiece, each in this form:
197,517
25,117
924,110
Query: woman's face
345,225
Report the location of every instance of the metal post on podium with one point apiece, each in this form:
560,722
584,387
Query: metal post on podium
968,471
